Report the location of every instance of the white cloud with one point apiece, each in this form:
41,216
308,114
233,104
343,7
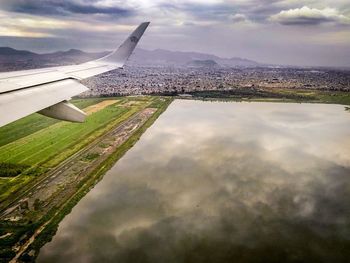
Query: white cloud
309,16
237,18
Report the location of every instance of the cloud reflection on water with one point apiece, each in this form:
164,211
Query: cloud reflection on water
217,182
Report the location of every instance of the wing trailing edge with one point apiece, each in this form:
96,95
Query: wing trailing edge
18,104
64,111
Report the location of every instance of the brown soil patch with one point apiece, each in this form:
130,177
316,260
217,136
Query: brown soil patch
99,106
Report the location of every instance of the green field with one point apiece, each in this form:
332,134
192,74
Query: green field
276,95
35,122
46,142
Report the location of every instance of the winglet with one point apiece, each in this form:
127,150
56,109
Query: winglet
121,54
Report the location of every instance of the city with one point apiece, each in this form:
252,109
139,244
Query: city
159,80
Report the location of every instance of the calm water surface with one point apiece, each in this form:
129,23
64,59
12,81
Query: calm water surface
219,182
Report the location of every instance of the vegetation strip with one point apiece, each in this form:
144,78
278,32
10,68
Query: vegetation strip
273,95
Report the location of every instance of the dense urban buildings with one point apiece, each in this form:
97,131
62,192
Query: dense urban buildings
177,80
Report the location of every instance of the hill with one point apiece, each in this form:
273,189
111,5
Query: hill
202,63
13,59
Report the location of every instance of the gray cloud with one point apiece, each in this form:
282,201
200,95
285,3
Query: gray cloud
54,7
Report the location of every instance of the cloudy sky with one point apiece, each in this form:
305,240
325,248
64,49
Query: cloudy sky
293,32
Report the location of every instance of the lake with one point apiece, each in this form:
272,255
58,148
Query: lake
221,182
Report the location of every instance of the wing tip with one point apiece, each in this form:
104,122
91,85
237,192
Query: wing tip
121,54
144,25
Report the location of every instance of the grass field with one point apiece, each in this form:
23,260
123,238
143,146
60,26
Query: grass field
35,122
332,97
46,143
277,95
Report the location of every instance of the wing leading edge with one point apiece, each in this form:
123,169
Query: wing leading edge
47,90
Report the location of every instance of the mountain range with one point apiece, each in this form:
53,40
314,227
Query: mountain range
13,59
161,57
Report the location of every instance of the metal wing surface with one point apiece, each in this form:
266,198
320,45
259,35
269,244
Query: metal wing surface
47,90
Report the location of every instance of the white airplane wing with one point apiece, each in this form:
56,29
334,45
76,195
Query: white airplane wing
47,90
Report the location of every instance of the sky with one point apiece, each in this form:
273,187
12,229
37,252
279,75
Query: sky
288,32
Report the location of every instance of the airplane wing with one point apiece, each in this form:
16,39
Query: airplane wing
47,90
